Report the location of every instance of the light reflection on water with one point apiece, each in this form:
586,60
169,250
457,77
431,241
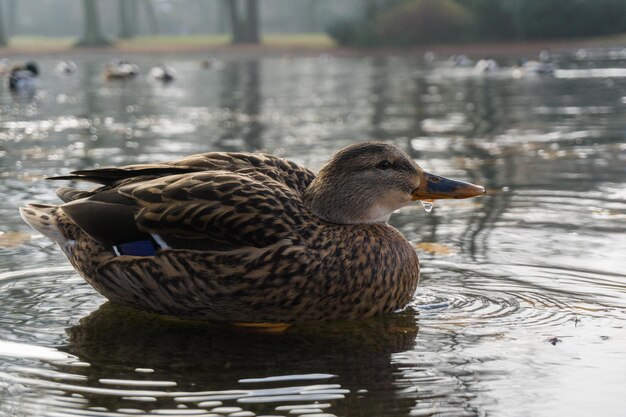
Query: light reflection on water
520,309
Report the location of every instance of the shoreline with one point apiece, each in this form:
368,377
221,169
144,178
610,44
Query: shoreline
484,49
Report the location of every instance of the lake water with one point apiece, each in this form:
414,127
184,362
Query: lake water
521,305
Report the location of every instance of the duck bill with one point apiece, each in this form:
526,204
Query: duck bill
434,187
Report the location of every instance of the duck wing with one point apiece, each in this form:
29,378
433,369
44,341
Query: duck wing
289,173
210,210
211,201
286,172
233,209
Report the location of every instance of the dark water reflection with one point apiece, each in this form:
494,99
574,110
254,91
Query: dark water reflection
541,259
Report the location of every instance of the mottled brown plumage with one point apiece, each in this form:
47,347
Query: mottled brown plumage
243,237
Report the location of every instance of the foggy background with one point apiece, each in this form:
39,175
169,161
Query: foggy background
175,17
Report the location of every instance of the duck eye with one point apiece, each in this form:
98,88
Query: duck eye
384,165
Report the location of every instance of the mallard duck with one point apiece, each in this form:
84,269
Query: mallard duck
120,70
525,67
162,73
211,63
461,61
66,68
486,65
245,237
24,78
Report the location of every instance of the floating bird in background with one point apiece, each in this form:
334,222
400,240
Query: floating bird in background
525,68
24,78
65,68
211,63
120,70
486,65
162,73
461,61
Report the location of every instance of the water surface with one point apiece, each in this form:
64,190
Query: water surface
521,305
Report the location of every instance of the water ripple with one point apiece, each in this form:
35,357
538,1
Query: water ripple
526,284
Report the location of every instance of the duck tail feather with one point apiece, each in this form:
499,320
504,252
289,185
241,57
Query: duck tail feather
42,218
68,194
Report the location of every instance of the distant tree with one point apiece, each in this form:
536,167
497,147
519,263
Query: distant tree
92,33
252,21
3,36
153,23
221,15
495,19
545,19
128,18
425,21
11,17
244,30
312,10
236,27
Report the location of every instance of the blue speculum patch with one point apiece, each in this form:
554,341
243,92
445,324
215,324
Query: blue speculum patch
137,248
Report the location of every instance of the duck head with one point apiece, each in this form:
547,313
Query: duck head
367,182
32,67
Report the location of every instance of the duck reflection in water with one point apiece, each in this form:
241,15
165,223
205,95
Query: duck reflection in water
201,357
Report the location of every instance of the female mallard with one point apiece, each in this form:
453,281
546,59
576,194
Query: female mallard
243,237
120,70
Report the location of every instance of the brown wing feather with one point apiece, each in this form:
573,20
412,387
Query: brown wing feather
232,209
106,176
68,194
207,201
286,172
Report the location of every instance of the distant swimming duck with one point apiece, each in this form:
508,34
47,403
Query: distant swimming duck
525,67
162,73
486,65
244,237
24,78
461,61
65,68
120,70
211,63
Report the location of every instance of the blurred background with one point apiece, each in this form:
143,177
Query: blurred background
521,306
359,23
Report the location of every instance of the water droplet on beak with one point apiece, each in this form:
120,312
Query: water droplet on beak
428,205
